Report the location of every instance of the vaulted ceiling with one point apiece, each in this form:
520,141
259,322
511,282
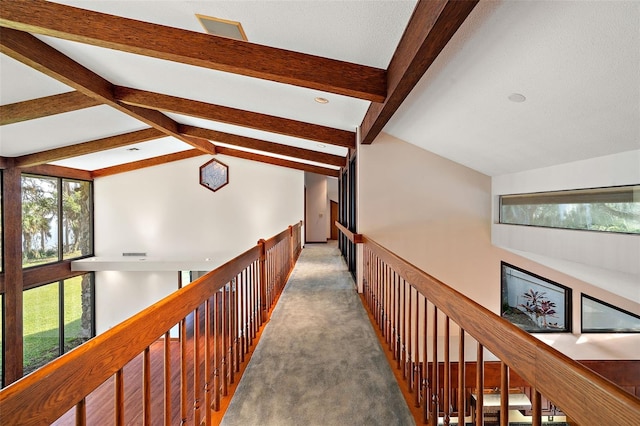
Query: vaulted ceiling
108,86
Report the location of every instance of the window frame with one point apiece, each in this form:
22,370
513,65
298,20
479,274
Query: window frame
608,305
567,305
622,193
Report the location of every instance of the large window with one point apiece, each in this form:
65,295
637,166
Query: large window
614,209
56,219
57,317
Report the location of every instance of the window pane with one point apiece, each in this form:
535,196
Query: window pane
76,219
533,303
1,238
598,316
605,209
78,312
39,220
41,326
1,340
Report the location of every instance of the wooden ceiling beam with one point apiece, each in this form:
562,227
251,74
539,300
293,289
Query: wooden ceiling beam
260,145
44,107
194,48
29,50
90,147
150,162
277,161
430,28
238,117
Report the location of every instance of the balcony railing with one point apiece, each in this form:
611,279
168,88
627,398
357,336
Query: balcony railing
217,317
421,319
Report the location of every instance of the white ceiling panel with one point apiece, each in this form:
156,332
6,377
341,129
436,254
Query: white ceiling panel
60,130
127,154
19,82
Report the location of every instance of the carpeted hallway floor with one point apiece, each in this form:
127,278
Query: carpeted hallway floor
318,361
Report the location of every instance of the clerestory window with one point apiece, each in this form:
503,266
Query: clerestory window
614,209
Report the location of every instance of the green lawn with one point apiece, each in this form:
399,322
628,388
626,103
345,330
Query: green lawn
41,321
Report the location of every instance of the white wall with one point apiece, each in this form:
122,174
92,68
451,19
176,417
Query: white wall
332,189
318,214
165,212
437,214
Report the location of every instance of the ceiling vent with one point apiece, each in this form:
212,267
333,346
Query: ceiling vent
222,27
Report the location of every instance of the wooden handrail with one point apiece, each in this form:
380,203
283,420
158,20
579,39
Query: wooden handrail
353,237
583,395
49,392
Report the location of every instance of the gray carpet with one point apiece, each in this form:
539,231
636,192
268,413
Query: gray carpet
318,361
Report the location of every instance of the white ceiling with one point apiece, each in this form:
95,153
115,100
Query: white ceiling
577,63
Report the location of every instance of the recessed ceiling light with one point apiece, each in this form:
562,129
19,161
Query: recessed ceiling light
321,100
222,27
517,97
133,149
321,145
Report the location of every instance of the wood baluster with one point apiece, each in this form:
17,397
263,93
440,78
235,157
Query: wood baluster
372,282
167,378
146,387
447,375
408,366
461,379
403,350
233,334
216,351
504,394
241,315
536,408
435,413
479,411
425,364
387,304
207,362
236,321
392,311
223,340
416,362
383,302
230,343
119,398
196,367
183,371
394,315
81,412
251,302
374,295
247,307
398,323
263,283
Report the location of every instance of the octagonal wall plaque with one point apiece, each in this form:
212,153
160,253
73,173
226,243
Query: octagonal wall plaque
214,175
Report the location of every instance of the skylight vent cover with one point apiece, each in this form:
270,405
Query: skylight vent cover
222,27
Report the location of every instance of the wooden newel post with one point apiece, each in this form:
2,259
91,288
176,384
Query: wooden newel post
263,279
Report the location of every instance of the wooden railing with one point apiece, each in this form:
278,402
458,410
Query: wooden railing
416,315
217,318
